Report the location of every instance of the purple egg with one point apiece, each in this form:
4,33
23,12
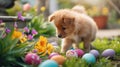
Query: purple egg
79,52
108,53
52,54
95,53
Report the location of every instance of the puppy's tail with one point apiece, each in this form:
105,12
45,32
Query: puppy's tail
79,9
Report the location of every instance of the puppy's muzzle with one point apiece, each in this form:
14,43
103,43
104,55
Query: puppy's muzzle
60,36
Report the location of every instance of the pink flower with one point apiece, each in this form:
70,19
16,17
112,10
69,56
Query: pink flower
34,32
7,30
20,17
30,37
26,7
26,29
15,25
1,21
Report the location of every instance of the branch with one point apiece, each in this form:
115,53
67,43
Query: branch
114,6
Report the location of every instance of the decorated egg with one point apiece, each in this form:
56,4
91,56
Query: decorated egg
95,53
49,63
79,52
108,53
59,59
71,53
32,58
89,58
52,54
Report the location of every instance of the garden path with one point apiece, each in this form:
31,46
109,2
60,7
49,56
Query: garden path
108,33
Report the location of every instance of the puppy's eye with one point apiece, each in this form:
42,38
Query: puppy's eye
63,28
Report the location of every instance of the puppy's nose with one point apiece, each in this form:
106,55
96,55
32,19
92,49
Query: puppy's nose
59,35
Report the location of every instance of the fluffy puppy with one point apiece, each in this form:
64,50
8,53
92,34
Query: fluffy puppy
73,27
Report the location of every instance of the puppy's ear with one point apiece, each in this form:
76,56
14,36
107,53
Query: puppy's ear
69,20
51,18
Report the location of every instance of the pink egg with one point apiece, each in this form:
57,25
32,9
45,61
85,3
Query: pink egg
32,58
79,52
52,54
71,53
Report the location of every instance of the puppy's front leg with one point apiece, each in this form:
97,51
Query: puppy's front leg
66,44
86,45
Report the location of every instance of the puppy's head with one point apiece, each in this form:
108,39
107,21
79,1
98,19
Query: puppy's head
64,22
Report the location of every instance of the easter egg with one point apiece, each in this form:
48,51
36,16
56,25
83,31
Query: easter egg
108,53
79,52
52,54
32,58
59,59
71,53
89,58
49,63
95,53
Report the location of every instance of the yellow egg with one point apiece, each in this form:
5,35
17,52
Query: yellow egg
59,59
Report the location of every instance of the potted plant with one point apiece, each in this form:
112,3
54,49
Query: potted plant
100,16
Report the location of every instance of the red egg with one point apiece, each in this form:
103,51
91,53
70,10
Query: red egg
32,58
79,52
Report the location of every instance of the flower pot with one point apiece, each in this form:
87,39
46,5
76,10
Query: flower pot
101,21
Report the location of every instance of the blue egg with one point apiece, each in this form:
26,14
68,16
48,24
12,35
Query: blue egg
89,58
49,63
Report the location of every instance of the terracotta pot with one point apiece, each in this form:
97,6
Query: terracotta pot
101,21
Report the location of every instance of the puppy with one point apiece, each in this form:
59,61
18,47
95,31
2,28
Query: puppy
74,27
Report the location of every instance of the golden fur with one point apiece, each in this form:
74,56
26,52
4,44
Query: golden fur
74,27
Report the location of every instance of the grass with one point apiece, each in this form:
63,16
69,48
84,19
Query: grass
102,44
77,62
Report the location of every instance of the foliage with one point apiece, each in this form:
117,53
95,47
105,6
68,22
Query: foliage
77,62
95,11
13,11
11,51
42,27
102,44
65,4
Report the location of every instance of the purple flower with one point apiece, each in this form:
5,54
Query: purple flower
7,30
30,37
26,29
15,24
34,32
34,50
1,21
20,17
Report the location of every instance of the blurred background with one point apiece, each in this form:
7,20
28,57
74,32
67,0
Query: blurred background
106,13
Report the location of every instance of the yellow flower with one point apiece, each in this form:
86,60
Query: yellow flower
23,39
49,48
43,46
42,41
43,8
16,34
105,11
